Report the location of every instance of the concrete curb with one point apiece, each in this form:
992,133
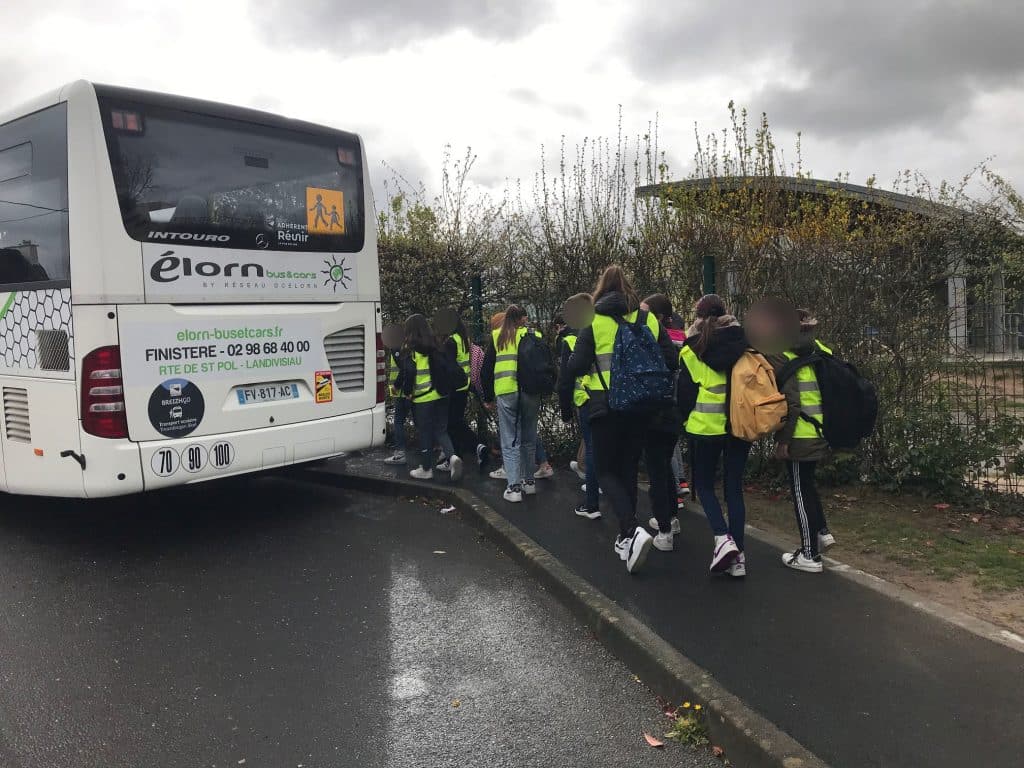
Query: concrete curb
747,737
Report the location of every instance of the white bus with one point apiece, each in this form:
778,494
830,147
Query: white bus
188,290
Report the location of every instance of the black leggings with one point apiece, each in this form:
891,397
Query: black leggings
810,516
658,452
463,438
618,444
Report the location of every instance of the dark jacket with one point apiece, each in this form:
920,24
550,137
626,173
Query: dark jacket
566,382
727,346
804,449
581,362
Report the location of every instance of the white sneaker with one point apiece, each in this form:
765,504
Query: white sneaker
499,474
665,542
444,466
724,553
825,540
530,488
544,472
422,474
455,465
513,494
575,467
676,528
591,514
600,491
639,547
622,547
738,569
398,457
800,562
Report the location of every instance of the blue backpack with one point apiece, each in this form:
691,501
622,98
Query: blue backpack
642,380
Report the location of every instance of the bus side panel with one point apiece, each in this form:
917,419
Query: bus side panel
40,420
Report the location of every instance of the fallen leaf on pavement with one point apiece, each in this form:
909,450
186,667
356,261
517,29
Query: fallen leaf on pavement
651,741
456,703
942,505
975,519
717,751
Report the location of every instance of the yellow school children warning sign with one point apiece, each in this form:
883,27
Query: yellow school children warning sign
325,211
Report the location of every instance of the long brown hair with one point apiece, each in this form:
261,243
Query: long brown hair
660,306
514,317
418,335
613,279
709,309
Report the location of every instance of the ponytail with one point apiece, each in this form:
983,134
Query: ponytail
709,309
510,326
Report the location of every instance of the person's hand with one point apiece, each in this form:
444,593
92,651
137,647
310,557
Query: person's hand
782,451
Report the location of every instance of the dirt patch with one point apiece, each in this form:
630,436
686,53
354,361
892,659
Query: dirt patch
964,559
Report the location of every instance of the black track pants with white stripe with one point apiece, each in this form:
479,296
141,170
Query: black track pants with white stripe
810,516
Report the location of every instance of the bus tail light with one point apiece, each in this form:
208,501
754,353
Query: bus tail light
103,394
382,373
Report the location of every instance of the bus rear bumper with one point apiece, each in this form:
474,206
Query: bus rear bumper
165,463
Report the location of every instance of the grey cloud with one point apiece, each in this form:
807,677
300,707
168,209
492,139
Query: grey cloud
346,26
866,66
562,107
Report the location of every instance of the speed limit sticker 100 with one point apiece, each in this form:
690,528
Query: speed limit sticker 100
192,458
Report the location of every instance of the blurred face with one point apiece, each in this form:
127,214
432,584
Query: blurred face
771,328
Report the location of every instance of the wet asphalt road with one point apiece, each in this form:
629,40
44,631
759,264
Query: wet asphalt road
266,622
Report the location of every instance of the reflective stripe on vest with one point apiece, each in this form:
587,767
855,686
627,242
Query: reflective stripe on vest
424,391
605,328
810,398
462,357
506,363
708,417
579,392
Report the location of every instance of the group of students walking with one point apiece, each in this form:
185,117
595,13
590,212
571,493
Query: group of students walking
639,387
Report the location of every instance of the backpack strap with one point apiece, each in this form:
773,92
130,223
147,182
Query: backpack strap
789,369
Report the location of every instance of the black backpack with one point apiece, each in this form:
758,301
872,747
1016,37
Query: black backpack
849,401
535,366
446,375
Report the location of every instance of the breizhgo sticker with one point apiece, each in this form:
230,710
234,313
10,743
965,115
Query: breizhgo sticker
176,408
323,386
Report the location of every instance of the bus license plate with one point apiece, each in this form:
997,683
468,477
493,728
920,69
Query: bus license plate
266,393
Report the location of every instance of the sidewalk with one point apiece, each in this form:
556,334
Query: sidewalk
859,679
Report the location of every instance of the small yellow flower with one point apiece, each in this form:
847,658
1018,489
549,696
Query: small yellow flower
686,705
696,707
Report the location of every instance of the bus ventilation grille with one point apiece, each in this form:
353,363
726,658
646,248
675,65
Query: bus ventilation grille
16,414
53,350
346,354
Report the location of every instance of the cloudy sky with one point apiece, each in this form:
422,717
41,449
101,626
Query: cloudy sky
874,85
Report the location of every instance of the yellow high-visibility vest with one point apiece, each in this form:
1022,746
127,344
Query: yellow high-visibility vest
810,398
506,363
392,374
579,392
424,391
605,328
708,417
462,357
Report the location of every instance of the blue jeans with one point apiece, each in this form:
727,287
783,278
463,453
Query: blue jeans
541,454
517,427
590,468
704,454
402,407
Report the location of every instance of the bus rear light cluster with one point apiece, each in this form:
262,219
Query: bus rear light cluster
382,373
103,412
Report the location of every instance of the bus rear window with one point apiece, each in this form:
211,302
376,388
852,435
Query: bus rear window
205,180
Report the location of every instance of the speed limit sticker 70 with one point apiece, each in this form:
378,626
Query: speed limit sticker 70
165,462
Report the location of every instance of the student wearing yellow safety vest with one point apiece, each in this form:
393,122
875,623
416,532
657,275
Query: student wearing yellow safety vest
429,407
402,409
713,345
660,445
574,404
618,436
800,444
459,347
517,411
